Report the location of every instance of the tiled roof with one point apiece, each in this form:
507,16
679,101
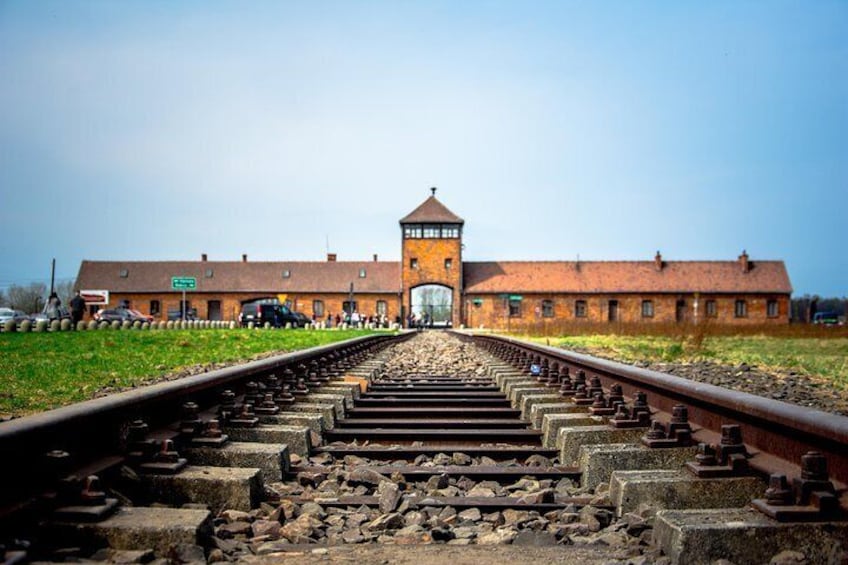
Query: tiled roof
432,211
625,276
237,276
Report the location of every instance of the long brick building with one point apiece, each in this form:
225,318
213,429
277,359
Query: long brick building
432,278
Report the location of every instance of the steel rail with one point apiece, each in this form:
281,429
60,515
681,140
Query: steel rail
95,427
779,431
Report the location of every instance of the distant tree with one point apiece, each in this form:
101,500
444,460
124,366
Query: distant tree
30,298
65,290
4,300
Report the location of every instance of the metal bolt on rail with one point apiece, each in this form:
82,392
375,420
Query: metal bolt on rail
811,498
727,459
678,432
267,407
636,416
84,501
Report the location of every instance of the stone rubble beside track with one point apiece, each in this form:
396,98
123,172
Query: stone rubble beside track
804,390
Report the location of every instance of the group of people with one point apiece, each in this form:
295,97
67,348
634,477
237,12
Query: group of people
355,319
419,321
53,304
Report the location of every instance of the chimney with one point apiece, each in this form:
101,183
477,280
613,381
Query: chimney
375,257
244,257
203,257
658,262
331,257
743,262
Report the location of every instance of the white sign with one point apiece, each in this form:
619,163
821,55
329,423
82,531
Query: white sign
94,297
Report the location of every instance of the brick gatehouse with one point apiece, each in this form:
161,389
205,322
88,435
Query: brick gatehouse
432,279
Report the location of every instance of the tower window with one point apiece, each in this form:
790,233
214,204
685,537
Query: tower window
412,231
413,263
432,231
450,231
448,263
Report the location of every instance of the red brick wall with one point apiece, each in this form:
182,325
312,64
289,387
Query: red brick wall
493,313
231,303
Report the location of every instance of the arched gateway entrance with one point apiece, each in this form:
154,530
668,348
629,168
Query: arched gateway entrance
432,303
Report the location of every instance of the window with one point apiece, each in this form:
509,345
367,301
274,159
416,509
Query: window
450,231
318,308
432,231
741,309
580,309
208,274
514,308
286,273
155,307
547,308
346,307
361,273
647,308
772,309
448,263
124,273
710,309
382,308
413,263
412,231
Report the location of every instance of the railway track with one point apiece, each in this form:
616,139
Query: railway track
481,440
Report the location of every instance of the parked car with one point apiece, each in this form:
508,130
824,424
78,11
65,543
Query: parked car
64,314
7,314
141,316
177,314
826,318
302,319
120,315
277,315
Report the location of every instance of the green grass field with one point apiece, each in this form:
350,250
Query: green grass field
39,371
826,358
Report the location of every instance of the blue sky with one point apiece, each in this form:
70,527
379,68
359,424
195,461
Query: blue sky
608,130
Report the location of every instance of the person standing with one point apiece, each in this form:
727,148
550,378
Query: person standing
52,307
77,308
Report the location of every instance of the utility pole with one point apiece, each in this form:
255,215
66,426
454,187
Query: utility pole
53,277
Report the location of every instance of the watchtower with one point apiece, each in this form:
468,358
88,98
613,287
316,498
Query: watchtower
431,263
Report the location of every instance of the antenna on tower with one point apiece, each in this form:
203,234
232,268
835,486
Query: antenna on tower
433,190
327,237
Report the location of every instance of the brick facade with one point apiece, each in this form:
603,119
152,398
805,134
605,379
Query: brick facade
742,291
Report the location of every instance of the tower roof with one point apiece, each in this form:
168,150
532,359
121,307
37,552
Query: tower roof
431,211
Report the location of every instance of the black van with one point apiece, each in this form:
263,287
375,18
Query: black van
277,315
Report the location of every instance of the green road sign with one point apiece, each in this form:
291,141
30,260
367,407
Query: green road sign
516,297
183,283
